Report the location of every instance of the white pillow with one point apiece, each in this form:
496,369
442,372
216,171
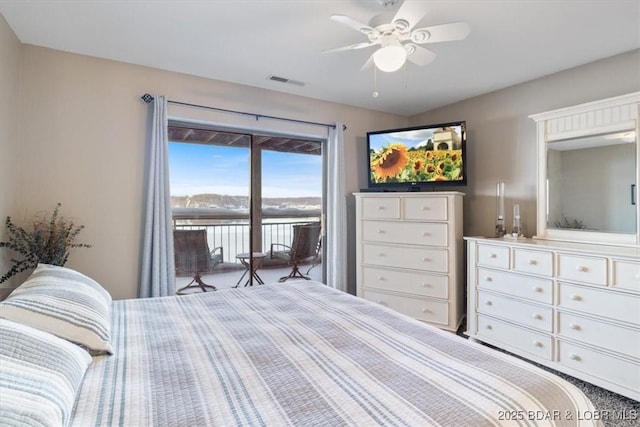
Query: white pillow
40,375
65,303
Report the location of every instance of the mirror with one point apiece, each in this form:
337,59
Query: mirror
591,183
588,172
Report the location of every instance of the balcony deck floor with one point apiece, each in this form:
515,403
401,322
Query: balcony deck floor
228,279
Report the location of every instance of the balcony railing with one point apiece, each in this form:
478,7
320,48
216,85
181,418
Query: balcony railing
232,231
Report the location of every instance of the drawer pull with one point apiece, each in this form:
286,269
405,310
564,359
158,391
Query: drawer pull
381,278
537,316
576,297
488,302
426,285
533,262
575,357
493,256
582,268
488,279
537,289
537,344
489,327
426,208
380,208
574,326
426,310
382,254
381,231
426,259
426,234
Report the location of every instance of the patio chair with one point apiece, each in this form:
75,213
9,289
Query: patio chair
317,258
304,245
193,257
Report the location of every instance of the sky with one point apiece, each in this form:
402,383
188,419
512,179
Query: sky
199,168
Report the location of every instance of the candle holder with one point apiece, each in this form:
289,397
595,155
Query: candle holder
516,229
500,226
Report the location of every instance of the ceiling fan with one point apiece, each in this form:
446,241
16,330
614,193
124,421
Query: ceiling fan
399,40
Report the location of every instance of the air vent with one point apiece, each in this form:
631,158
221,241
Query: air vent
285,80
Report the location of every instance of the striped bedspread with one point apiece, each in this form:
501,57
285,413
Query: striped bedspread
303,354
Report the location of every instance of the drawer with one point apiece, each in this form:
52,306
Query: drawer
611,337
404,281
518,311
622,372
432,208
583,269
533,288
513,336
493,256
534,262
410,233
421,309
600,302
381,208
626,275
405,257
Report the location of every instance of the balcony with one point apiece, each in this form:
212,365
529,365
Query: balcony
230,229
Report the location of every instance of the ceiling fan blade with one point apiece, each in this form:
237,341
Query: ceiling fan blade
419,55
357,25
441,33
368,64
350,47
412,11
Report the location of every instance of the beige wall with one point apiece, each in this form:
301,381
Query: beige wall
502,138
10,58
83,133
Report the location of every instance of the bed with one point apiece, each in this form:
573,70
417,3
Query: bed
301,353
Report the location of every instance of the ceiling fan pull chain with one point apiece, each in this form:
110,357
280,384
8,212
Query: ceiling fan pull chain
375,82
405,75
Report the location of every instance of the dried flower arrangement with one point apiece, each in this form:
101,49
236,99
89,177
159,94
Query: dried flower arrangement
565,222
49,242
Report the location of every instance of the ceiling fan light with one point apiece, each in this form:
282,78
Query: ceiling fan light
390,58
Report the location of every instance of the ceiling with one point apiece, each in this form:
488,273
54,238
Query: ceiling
247,41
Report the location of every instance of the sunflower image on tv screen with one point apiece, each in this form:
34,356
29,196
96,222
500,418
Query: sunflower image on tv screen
438,158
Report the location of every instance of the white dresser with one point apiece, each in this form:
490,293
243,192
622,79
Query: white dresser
409,254
574,307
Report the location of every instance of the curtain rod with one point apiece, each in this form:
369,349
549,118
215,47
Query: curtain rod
148,98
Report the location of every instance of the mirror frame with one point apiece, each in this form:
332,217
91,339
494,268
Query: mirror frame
609,115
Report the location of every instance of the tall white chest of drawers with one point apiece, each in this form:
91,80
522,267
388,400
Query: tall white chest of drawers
409,254
574,307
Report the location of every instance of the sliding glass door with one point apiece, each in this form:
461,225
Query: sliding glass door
289,204
244,200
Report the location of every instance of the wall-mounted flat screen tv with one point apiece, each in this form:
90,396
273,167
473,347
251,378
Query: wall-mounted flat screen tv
417,158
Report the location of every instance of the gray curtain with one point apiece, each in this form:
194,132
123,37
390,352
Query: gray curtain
336,242
157,276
